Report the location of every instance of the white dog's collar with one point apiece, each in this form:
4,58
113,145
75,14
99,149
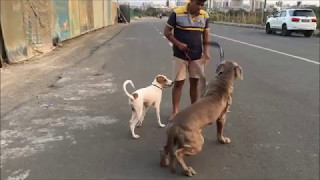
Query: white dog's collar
157,86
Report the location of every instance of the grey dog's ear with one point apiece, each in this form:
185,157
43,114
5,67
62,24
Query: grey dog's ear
238,72
220,69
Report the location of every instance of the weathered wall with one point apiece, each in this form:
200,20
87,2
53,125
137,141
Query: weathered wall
30,26
114,13
98,14
37,20
62,25
13,30
74,16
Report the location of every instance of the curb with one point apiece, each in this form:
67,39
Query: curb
253,26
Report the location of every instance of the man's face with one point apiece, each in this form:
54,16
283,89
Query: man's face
196,5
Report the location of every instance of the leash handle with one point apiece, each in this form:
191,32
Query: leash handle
221,52
221,55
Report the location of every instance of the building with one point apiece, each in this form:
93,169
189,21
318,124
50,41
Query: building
236,4
256,5
181,2
279,4
223,5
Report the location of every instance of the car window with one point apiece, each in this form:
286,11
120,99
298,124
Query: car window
303,13
283,14
291,12
276,14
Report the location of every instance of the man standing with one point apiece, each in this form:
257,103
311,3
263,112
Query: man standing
190,47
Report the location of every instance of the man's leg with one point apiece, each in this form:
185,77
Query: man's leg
176,95
196,71
179,73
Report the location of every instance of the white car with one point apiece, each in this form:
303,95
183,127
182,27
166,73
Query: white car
292,20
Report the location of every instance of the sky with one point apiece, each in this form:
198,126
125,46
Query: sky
291,2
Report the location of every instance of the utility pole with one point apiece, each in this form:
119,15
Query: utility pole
263,9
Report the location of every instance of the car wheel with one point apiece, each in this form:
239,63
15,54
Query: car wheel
268,29
307,33
285,31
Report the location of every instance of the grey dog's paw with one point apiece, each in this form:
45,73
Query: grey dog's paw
139,124
164,162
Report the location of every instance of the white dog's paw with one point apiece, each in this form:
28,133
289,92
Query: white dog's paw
228,140
225,140
190,172
135,136
162,125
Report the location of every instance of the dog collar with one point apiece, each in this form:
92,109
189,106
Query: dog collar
157,86
229,83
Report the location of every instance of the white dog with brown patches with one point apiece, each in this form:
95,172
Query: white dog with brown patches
143,98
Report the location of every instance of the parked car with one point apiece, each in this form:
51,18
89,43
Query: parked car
292,20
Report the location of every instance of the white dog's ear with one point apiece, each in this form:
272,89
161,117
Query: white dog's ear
220,68
161,80
238,72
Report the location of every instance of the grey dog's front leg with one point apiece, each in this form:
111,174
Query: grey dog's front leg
220,126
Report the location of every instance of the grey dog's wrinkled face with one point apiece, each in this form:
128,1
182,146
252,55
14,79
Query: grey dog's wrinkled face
230,67
164,81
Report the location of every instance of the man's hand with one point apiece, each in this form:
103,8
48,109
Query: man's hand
206,58
183,47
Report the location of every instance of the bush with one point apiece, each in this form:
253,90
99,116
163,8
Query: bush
151,11
137,12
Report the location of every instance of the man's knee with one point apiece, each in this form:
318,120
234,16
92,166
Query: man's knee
178,84
193,81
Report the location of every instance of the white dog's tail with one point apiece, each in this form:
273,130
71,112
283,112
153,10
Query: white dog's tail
125,89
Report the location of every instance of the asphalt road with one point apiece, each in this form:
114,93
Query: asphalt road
78,128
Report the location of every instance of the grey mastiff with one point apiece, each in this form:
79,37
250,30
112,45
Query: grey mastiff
185,131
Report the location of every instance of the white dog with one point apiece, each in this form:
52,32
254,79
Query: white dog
143,98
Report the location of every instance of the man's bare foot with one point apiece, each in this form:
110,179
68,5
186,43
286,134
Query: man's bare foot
172,116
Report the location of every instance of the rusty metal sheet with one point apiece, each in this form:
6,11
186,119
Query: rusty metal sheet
114,13
98,13
106,12
83,16
62,25
13,31
109,12
38,22
90,14
74,16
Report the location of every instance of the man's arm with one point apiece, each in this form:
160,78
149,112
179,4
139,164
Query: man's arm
167,33
206,42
